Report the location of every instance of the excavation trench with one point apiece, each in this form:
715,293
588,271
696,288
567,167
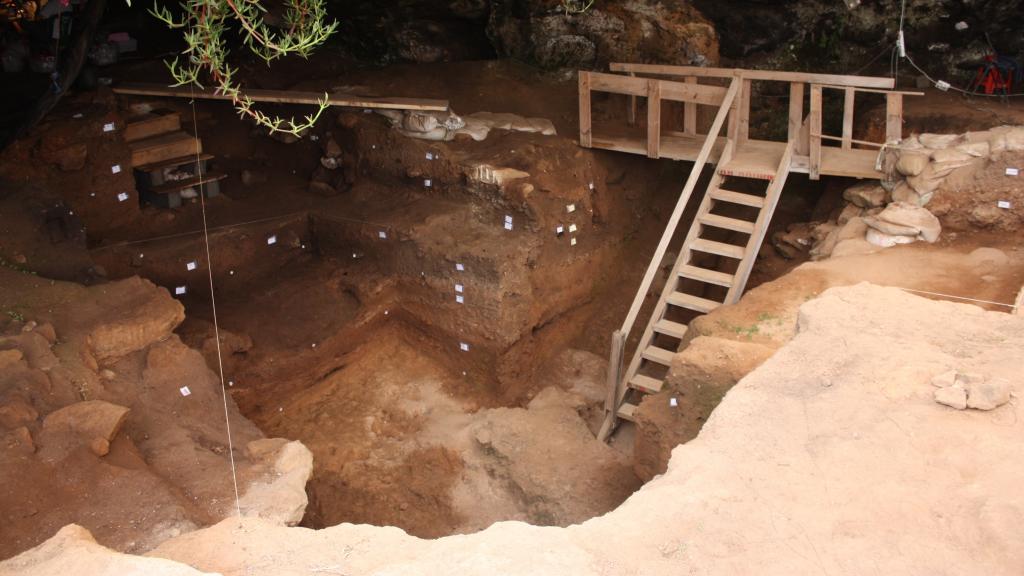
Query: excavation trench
447,372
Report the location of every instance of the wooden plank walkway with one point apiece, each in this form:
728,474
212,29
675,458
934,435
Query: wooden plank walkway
287,97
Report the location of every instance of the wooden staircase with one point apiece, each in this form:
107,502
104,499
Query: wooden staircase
166,160
712,269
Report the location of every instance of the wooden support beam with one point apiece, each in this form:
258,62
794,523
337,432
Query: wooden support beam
287,97
796,113
815,133
893,117
743,121
653,118
689,112
848,103
586,136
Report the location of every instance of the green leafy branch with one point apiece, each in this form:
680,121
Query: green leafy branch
204,23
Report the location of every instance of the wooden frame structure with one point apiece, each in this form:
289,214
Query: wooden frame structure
700,281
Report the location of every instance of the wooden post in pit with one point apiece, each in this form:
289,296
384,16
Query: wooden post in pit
653,118
848,101
690,112
585,131
893,117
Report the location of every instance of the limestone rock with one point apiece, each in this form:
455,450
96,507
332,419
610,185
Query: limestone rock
8,358
878,238
865,194
988,394
953,396
911,163
985,215
144,316
854,247
19,440
487,174
849,211
944,380
903,192
17,412
281,495
89,419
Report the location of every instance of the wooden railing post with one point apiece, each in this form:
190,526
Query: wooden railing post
690,112
653,118
893,117
633,108
815,132
615,383
796,111
848,101
743,121
585,131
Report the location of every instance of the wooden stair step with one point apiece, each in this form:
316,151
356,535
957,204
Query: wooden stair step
727,223
720,248
670,328
659,355
627,411
176,185
646,384
152,124
692,302
174,162
724,195
164,147
707,276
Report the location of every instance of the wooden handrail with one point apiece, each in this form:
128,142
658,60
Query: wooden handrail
677,212
845,81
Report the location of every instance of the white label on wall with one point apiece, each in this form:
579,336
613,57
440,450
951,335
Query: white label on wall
430,155
382,235
427,183
942,85
960,26
673,402
570,208
184,391
572,242
572,227
591,185
108,127
458,288
1004,204
463,346
459,267
460,299
76,115
179,290
559,229
1013,171
122,196
508,225
115,168
191,266
271,240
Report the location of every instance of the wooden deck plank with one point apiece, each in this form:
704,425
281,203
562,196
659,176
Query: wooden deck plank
287,97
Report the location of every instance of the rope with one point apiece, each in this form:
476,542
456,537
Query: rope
1011,306
213,304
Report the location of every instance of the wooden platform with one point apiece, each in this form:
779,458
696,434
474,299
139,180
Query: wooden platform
752,159
287,97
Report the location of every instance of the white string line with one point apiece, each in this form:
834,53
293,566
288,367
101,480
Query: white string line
1011,306
213,305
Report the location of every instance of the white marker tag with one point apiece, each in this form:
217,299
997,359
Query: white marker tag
122,196
367,111
179,290
76,115
116,168
430,155
508,219
942,85
459,299
463,346
185,391
559,229
191,266
572,227
231,382
382,235
427,183
459,267
673,402
231,272
108,127
459,289
591,185
961,26
508,225
572,242
271,240
1013,171
1004,204
570,208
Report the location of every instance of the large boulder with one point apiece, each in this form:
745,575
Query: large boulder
545,33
